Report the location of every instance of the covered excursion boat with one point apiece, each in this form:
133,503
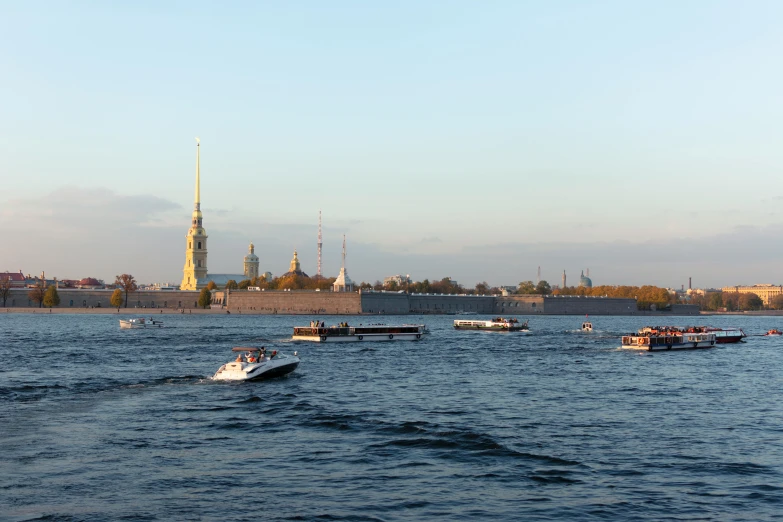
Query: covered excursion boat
498,324
372,332
668,338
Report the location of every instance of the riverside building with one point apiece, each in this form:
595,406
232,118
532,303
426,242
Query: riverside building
766,291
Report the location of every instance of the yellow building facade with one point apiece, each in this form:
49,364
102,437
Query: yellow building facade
765,292
194,273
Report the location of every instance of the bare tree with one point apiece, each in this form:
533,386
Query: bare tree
38,292
5,289
127,283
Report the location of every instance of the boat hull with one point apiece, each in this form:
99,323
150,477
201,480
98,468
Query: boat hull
236,371
493,328
366,338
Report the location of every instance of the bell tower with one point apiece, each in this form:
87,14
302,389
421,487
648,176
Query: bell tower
194,273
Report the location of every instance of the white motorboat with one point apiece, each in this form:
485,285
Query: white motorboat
587,327
254,364
140,322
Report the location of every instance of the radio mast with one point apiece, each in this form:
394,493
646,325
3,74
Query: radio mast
539,275
320,244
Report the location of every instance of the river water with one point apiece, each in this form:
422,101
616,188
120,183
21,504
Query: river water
102,424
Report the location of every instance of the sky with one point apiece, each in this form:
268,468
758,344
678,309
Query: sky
475,140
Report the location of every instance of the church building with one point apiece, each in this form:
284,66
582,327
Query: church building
195,275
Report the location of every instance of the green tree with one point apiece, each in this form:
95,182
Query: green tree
205,298
231,285
37,293
776,302
127,283
5,289
750,301
391,286
714,301
211,286
51,297
543,288
482,288
526,287
116,299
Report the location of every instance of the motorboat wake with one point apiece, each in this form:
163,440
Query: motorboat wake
253,364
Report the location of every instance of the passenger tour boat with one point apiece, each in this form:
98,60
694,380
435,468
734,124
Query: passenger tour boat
319,333
140,322
253,364
722,335
498,324
668,338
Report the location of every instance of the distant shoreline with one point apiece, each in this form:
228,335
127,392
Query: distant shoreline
198,311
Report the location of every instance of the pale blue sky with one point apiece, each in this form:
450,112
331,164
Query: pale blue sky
424,130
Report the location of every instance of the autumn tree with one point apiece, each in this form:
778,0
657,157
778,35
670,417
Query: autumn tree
5,289
116,299
127,283
205,298
51,297
776,302
37,293
243,284
714,301
211,286
391,286
231,285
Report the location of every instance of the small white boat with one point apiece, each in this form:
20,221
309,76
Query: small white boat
587,327
254,364
140,322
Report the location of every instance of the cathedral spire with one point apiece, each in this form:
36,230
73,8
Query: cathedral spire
197,205
343,251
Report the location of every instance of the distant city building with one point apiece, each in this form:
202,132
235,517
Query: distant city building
90,282
295,268
17,279
343,283
585,281
508,290
399,279
766,291
251,263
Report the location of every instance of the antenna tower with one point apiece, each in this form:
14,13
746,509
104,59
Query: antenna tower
320,244
539,275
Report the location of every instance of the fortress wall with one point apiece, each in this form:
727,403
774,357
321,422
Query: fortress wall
77,298
519,304
575,305
685,309
294,302
451,303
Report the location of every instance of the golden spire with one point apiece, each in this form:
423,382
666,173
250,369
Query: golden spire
197,205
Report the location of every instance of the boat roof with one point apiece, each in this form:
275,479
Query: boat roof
245,349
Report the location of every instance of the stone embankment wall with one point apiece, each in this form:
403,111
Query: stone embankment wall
294,302
309,302
77,298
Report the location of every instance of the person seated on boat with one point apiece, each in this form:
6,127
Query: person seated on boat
274,353
240,358
251,358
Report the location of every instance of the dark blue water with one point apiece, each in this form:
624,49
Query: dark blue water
102,424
